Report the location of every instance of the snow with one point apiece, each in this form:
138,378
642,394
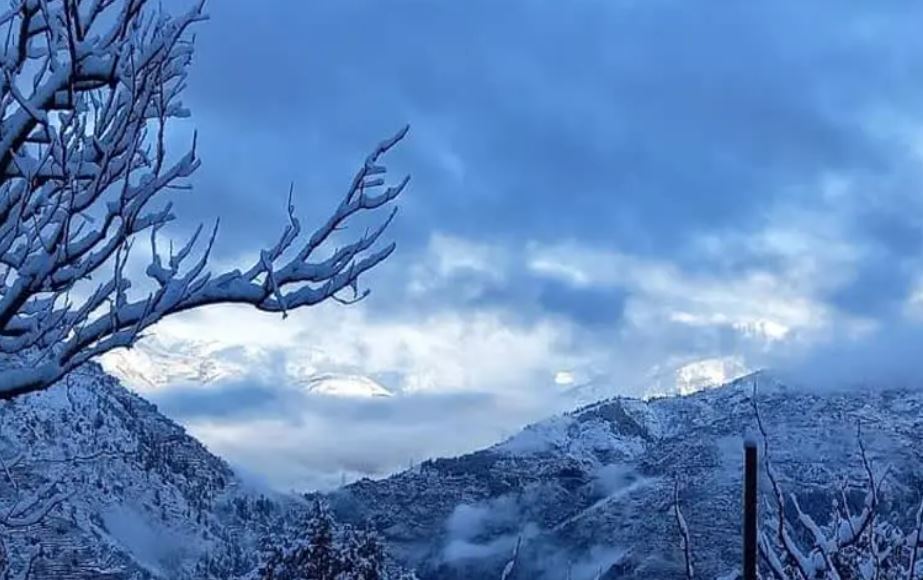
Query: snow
673,378
564,378
607,471
541,437
155,363
139,495
165,361
603,471
122,60
694,376
347,386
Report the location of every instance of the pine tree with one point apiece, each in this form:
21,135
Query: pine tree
322,562
370,557
325,551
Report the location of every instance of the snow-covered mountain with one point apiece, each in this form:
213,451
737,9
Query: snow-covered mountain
163,360
593,489
343,385
95,483
157,362
683,378
696,375
133,496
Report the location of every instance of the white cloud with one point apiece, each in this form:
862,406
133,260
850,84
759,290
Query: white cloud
443,352
673,319
756,302
564,378
446,256
321,440
448,357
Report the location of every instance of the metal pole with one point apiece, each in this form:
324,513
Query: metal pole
750,473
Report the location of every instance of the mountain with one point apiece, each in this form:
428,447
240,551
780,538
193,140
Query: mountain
133,495
162,361
95,483
692,376
593,489
155,363
674,378
130,495
343,385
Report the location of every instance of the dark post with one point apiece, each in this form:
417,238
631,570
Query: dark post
750,473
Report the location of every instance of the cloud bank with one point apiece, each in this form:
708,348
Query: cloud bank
600,189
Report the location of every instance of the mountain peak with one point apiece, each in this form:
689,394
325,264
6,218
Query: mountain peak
345,385
591,489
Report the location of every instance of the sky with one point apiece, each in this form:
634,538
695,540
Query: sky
601,190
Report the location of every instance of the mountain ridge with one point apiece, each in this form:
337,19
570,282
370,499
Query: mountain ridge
139,498
593,488
585,490
159,361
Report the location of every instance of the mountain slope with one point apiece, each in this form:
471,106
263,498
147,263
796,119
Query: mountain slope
133,495
159,362
593,489
155,363
676,378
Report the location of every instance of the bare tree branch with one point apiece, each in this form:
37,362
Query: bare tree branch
849,545
87,90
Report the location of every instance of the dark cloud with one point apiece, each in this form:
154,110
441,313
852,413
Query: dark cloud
625,124
887,357
585,306
898,234
234,400
256,397
632,127
682,114
880,288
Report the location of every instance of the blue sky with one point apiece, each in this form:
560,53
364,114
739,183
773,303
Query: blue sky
600,187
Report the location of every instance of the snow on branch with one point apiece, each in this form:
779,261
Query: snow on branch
87,89
849,545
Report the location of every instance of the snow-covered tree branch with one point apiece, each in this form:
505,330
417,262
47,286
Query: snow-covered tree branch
849,545
855,542
87,90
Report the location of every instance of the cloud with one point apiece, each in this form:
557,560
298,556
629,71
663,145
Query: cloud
318,442
881,355
474,350
485,530
659,292
646,127
454,393
599,189
488,531
640,122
